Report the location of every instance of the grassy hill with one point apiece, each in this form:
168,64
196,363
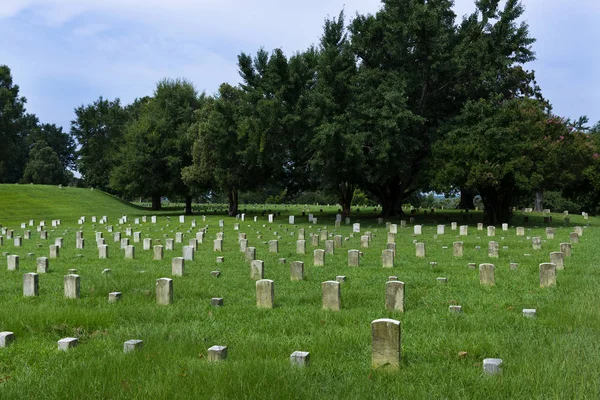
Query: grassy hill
19,203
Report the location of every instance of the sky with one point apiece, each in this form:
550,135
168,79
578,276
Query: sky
67,53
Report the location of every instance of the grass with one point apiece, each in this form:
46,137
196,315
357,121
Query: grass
552,356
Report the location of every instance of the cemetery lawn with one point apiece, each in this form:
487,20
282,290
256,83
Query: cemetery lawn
555,355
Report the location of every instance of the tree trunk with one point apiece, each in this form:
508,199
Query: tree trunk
390,197
232,197
346,194
466,199
156,204
188,205
497,205
539,201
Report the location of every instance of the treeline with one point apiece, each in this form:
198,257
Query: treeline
406,101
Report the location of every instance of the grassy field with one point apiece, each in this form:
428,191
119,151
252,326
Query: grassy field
555,355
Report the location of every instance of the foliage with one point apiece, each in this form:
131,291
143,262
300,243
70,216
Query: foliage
44,166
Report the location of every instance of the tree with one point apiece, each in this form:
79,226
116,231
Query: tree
62,143
224,157
507,148
156,146
13,124
335,159
99,128
44,166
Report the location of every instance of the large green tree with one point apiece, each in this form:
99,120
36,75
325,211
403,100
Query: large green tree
13,129
99,128
504,149
156,146
44,166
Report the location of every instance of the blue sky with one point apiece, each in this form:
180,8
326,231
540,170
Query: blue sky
65,53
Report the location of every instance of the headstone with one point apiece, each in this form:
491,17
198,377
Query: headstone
273,246
218,245
265,293
491,366
520,231
441,229
547,275
356,228
6,338
193,243
319,258
132,345
42,265
574,237
30,285
329,247
297,270
394,295
164,291
177,266
364,241
129,252
387,258
505,227
420,249
257,270
338,241
331,295
417,229
67,343
385,343
216,302
300,358
491,231
12,262
558,259
565,248
114,297
493,248
54,251
124,243
169,244
72,286
464,230
536,243
486,274
178,237
529,312
458,249
217,353
159,252
353,258
550,233
250,254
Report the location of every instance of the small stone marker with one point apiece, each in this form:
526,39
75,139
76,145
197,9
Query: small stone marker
547,275
493,249
114,297
129,252
6,338
72,286
30,285
340,278
486,274
13,262
394,295
558,259
265,293
54,251
300,358
67,343
420,249
159,252
297,271
455,309
164,291
257,270
331,295
514,266
529,312
217,353
177,266
319,258
387,258
132,345
216,302
353,258
458,249
491,366
442,280
103,251
42,265
188,253
385,343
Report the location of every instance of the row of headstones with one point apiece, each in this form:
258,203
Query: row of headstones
491,230
386,348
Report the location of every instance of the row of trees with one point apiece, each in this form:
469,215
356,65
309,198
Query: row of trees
397,103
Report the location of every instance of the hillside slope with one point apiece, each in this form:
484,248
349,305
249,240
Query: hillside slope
20,203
